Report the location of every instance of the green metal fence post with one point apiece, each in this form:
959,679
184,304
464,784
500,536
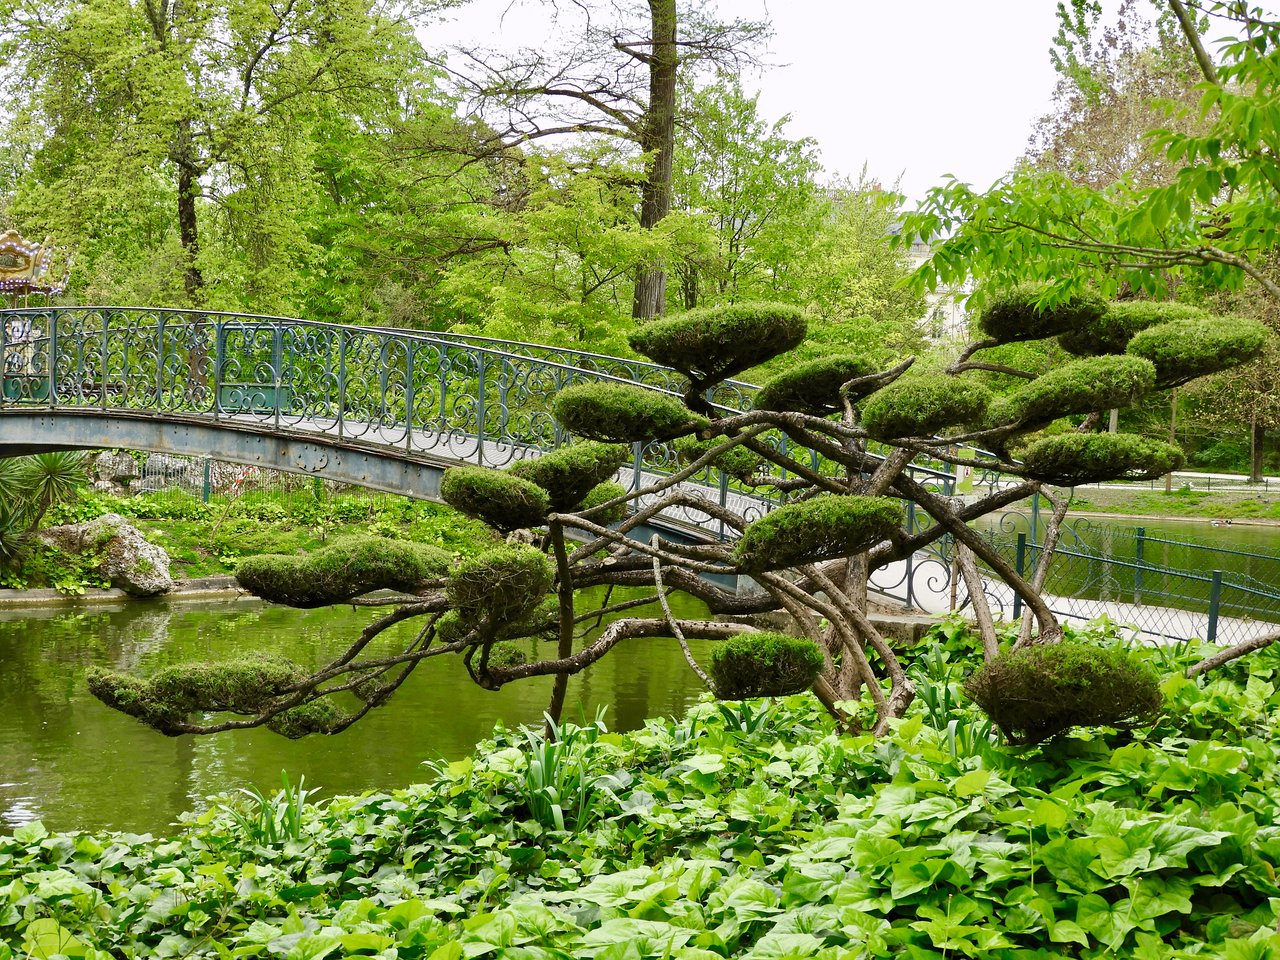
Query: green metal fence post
1215,600
1020,564
206,488
1139,560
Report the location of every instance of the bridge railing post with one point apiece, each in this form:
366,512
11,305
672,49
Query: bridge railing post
637,450
342,382
103,353
480,408
159,360
409,351
219,361
53,360
277,367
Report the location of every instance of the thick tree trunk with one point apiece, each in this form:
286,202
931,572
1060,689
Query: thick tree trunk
658,142
188,231
162,16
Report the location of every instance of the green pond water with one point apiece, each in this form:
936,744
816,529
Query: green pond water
72,763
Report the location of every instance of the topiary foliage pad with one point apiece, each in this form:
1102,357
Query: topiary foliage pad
499,586
1080,386
607,491
764,665
924,405
810,531
244,686
1015,314
347,568
1071,459
1038,692
814,387
621,413
572,472
1185,349
713,343
1122,320
736,461
502,500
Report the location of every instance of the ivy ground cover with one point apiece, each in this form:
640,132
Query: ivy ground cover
744,830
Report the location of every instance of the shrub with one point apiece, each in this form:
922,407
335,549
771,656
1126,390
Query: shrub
169,505
501,585
603,494
1111,332
823,528
1185,349
344,569
923,405
572,472
713,343
502,500
1080,386
621,413
736,461
814,387
165,700
1014,314
454,627
1074,458
506,655
764,665
1038,692
318,716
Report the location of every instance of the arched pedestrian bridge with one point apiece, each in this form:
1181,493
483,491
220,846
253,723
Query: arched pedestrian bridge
381,408
385,409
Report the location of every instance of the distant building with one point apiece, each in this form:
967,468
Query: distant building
945,317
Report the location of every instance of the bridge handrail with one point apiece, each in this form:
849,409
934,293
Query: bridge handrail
498,345
551,357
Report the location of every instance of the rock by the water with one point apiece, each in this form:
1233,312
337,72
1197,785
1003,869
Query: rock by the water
107,487
116,467
150,484
128,559
167,466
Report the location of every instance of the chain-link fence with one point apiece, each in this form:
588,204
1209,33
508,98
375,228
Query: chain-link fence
1165,587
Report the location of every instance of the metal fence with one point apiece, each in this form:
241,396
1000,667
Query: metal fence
171,483
1164,587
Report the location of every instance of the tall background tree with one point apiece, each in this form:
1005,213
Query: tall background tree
187,132
616,76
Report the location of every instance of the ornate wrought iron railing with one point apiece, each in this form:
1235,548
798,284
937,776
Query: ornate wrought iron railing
465,398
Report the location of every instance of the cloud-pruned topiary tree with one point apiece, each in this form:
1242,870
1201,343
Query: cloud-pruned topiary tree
833,439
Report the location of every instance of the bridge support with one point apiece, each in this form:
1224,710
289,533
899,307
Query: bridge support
415,476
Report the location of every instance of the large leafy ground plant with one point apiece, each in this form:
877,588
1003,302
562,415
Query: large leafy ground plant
807,446
739,831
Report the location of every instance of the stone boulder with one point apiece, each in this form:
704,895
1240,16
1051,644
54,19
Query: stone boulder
168,466
118,468
128,560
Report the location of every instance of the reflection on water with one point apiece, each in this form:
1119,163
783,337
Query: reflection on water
73,763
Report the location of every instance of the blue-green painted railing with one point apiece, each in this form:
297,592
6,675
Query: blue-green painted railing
470,399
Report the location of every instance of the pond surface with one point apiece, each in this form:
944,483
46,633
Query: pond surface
73,763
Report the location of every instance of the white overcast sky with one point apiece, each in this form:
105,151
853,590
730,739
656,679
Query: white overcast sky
913,89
